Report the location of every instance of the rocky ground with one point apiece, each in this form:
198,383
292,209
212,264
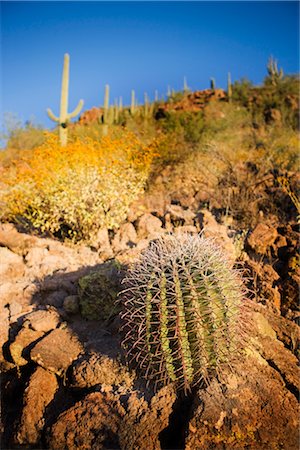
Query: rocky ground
65,384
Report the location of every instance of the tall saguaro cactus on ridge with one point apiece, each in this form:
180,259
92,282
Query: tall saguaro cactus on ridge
64,116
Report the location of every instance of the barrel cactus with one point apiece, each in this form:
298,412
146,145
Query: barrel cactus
181,317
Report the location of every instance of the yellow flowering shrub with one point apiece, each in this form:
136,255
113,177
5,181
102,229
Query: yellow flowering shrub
73,191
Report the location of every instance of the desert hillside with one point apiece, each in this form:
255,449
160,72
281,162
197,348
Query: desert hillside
76,219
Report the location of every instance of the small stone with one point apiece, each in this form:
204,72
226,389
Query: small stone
55,298
42,320
149,226
102,243
261,238
39,393
56,351
181,215
71,304
19,348
125,237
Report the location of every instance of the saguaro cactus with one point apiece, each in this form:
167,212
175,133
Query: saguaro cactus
185,85
133,103
229,87
181,311
274,74
212,84
64,116
106,111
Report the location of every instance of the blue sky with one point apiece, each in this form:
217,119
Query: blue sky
136,45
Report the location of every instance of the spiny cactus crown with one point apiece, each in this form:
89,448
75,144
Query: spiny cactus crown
181,311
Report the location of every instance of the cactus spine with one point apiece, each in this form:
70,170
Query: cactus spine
64,116
229,87
181,311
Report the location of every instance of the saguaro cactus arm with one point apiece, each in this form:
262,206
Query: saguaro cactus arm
76,110
52,116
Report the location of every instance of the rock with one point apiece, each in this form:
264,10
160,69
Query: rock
100,421
36,256
272,116
218,233
261,238
12,265
96,369
98,292
237,410
265,279
39,393
92,424
56,351
125,238
15,310
17,242
4,330
149,226
179,216
102,243
92,115
190,229
241,415
71,304
55,298
42,320
20,348
143,423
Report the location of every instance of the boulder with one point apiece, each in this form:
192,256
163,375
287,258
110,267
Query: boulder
237,409
91,423
20,347
95,369
56,351
42,320
101,421
40,391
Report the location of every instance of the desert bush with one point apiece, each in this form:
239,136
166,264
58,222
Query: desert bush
24,137
71,192
189,124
